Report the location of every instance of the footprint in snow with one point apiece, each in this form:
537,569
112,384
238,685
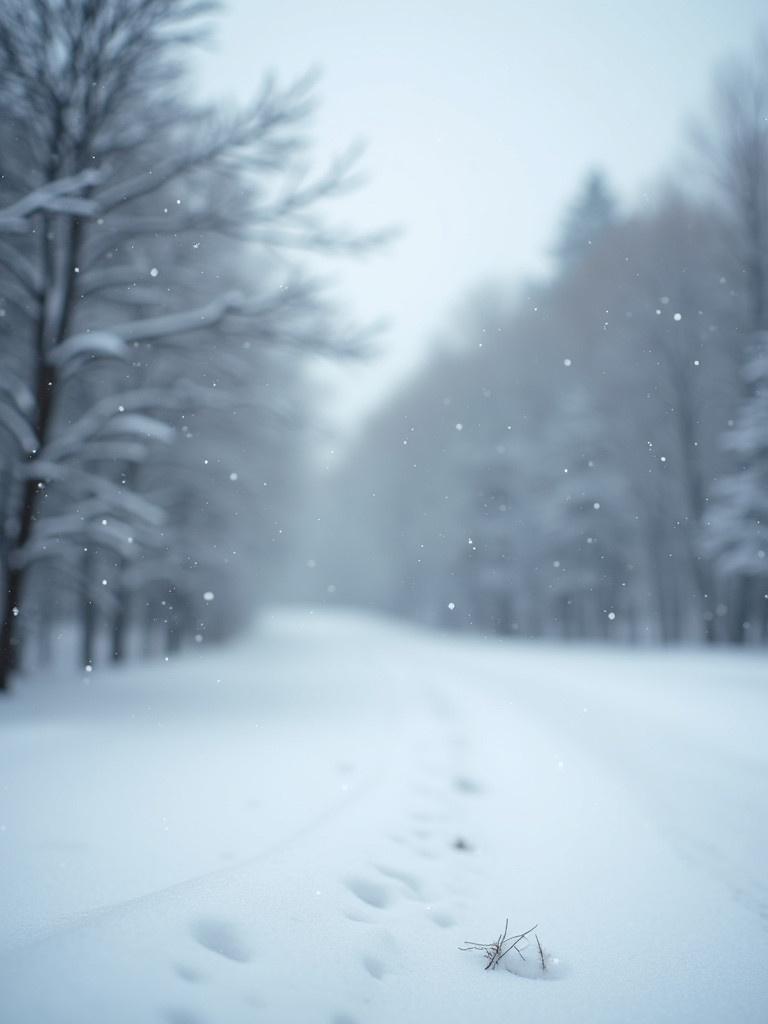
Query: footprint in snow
180,1015
375,967
411,882
375,894
221,937
188,973
467,785
382,956
442,918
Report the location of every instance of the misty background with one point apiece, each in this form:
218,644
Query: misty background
501,369
479,123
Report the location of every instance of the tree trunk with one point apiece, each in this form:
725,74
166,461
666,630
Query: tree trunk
88,624
704,583
53,319
47,618
119,627
503,614
8,631
738,626
149,622
174,634
569,627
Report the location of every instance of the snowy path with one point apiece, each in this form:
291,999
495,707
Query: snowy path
306,828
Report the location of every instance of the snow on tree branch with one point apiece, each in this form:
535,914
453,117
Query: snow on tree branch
113,343
18,427
113,496
61,196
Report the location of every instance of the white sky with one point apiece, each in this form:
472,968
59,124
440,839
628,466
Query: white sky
481,117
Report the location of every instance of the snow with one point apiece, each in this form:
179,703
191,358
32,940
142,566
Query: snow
15,422
308,825
94,343
59,196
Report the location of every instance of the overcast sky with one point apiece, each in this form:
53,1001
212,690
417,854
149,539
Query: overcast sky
481,117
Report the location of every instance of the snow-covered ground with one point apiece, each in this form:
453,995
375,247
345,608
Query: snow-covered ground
305,828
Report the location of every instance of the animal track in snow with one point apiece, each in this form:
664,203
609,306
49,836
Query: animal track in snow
221,937
357,918
442,918
375,894
188,973
411,882
375,967
468,786
180,1015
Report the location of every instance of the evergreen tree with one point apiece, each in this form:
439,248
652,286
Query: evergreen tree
737,532
591,212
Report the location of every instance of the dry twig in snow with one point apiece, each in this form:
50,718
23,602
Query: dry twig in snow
495,951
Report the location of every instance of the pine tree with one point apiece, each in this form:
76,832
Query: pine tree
592,211
736,535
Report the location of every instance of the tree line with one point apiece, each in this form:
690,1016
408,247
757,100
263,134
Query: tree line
155,315
586,456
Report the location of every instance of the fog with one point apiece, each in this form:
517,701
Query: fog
383,512
479,121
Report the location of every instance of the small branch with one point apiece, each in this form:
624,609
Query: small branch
494,952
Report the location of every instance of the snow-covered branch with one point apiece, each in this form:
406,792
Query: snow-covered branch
82,481
61,196
18,426
21,268
118,416
114,343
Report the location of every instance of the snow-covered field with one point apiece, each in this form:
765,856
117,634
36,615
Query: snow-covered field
306,827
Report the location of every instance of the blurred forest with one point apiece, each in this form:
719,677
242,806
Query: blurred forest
155,316
586,456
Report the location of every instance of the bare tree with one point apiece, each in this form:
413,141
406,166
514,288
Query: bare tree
97,85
